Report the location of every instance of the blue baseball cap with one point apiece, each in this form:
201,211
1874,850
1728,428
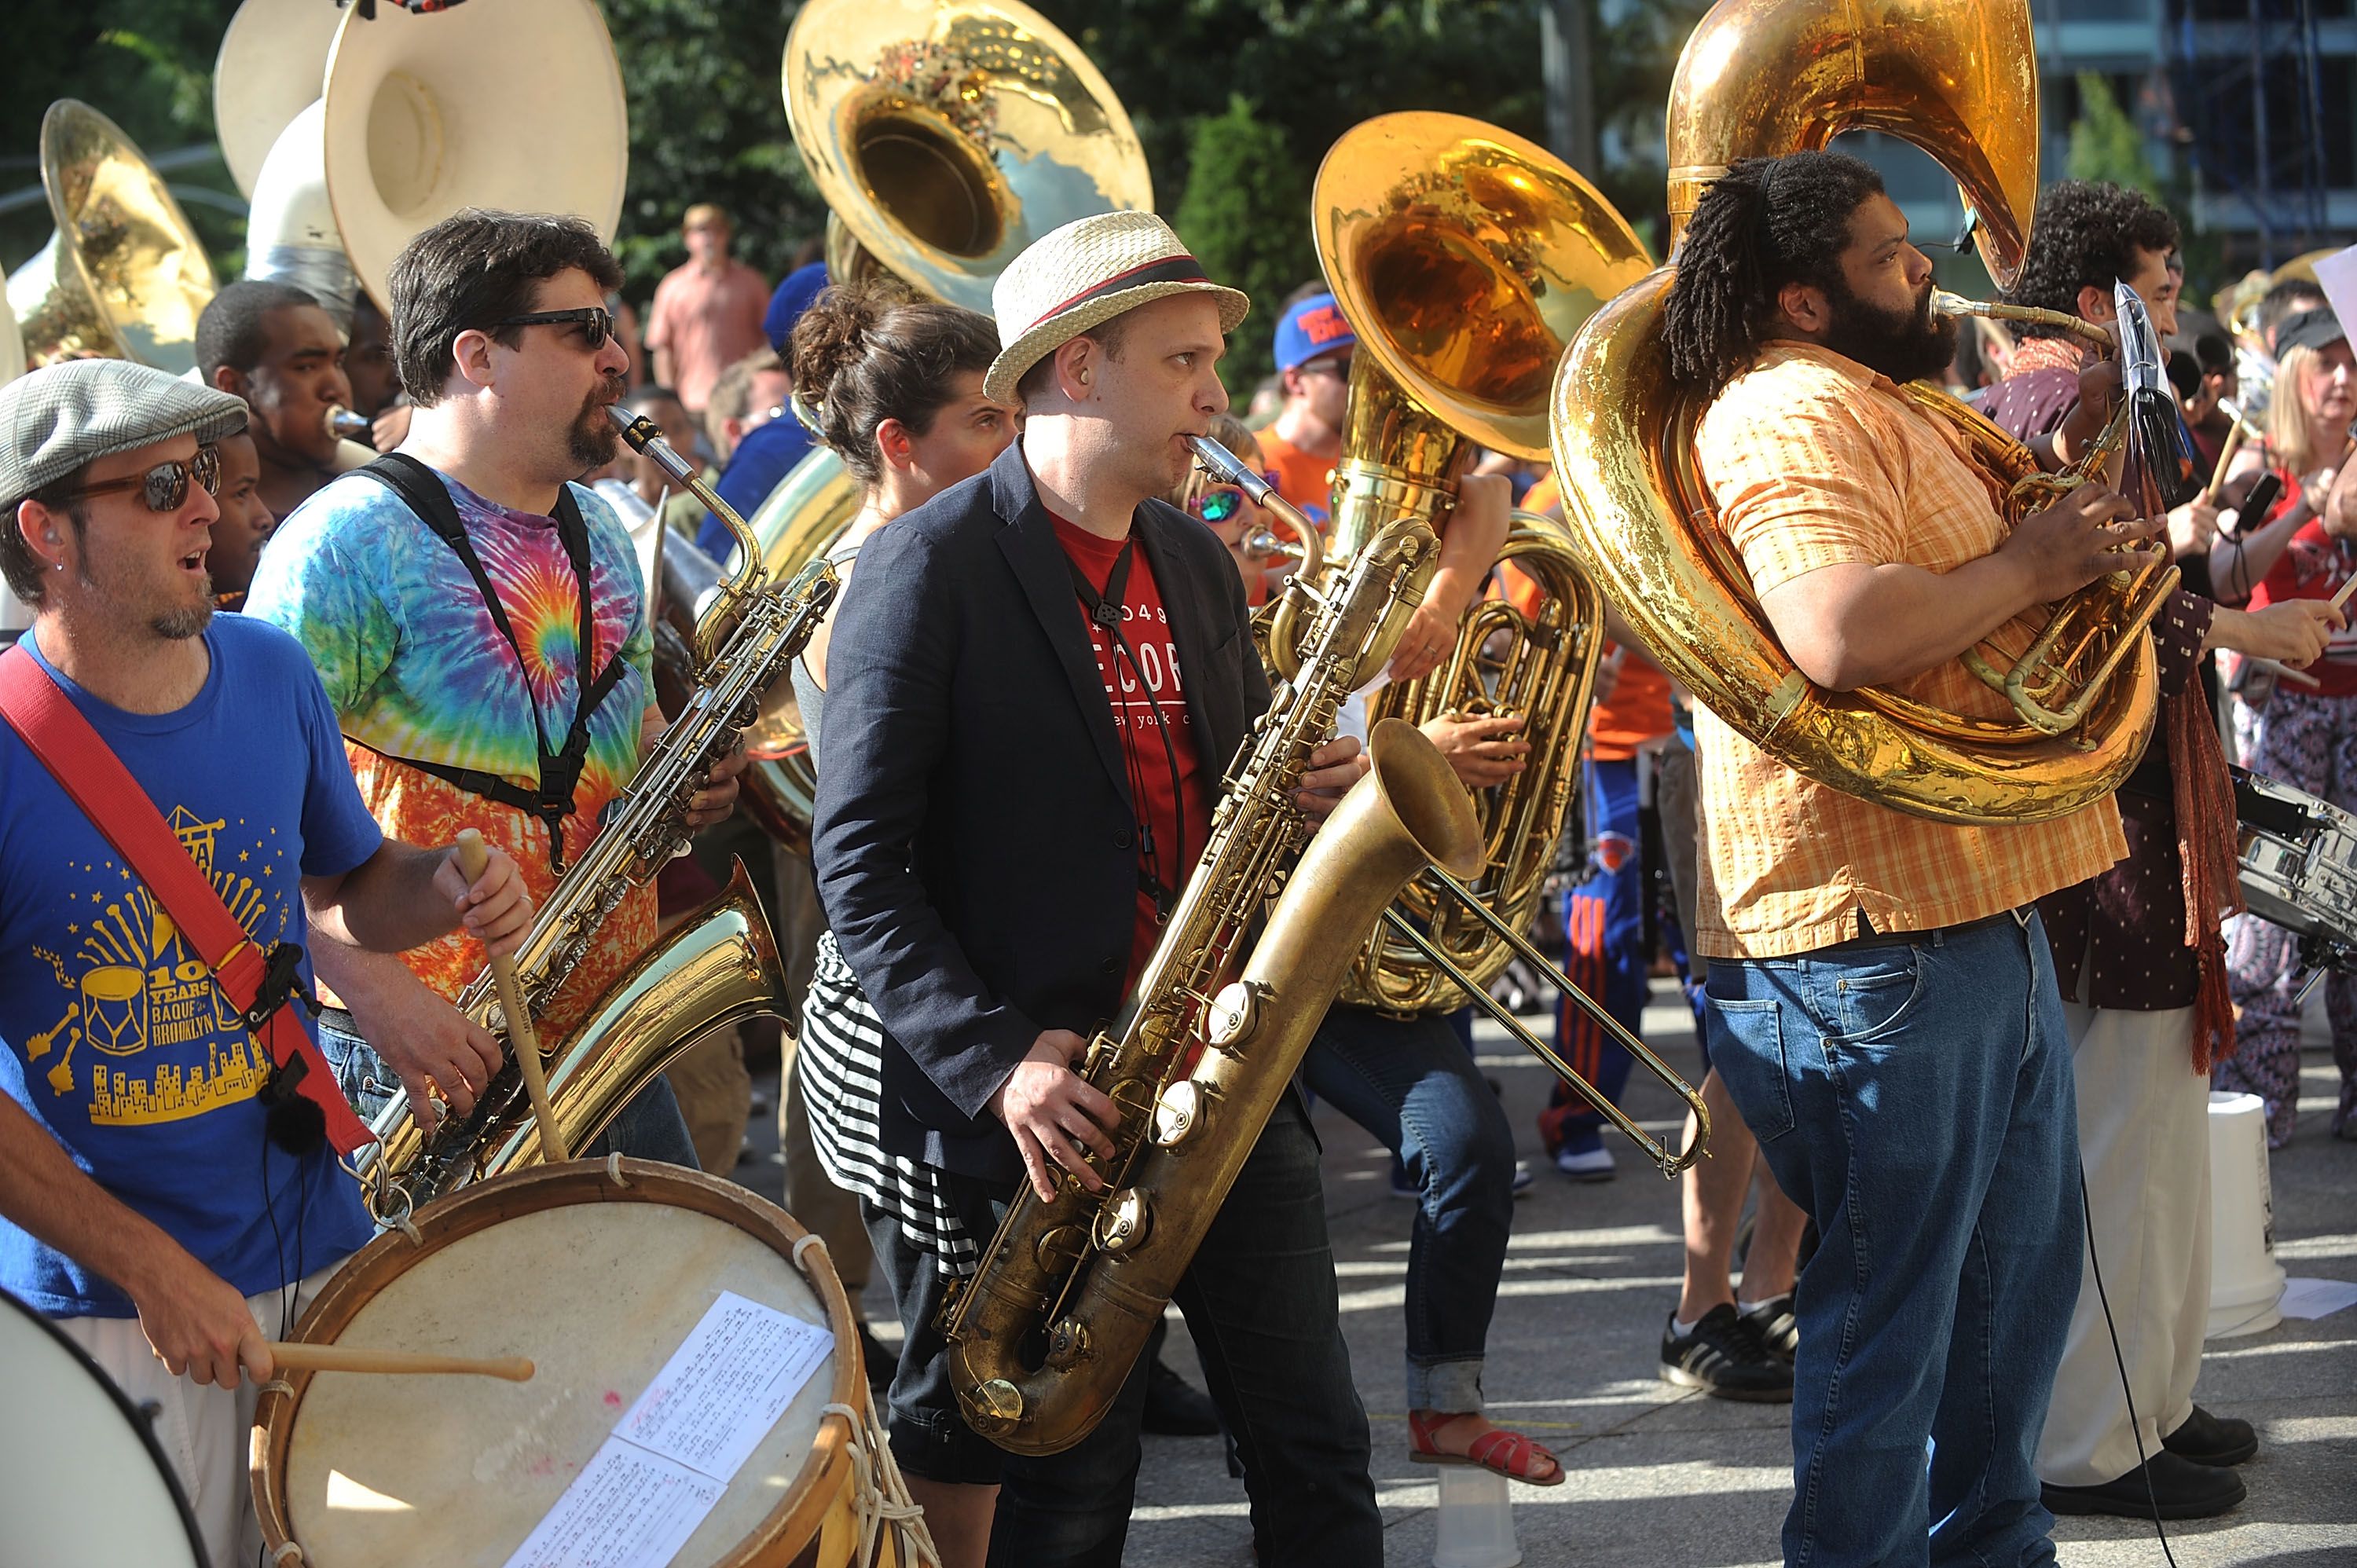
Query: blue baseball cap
797,293
1312,329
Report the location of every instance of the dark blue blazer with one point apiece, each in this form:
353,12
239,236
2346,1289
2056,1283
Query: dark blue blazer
974,842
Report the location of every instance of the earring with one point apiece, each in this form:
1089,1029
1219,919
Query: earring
1085,378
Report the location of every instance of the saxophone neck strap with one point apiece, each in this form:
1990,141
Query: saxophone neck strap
258,985
559,769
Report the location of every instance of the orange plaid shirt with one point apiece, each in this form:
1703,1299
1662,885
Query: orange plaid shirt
1814,461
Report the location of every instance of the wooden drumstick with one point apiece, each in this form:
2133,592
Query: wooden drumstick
305,1358
472,857
2234,444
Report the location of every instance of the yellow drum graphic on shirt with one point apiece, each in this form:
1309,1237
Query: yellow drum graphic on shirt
114,998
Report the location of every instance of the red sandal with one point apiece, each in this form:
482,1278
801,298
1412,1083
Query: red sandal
1503,1453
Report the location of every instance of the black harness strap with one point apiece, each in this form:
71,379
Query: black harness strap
423,491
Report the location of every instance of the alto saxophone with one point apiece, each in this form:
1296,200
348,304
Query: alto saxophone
718,966
1045,1333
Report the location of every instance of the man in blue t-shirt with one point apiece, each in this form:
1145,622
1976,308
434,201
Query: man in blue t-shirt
141,1203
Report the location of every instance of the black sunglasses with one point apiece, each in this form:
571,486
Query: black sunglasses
166,486
1218,505
595,322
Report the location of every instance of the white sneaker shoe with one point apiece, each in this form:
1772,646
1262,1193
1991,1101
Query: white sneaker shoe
1591,1164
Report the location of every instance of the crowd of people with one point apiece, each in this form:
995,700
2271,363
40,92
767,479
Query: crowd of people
1956,1073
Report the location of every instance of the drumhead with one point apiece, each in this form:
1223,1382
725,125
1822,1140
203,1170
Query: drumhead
381,1470
82,1478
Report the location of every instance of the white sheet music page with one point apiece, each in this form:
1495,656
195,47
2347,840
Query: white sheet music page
723,1390
628,1509
682,1442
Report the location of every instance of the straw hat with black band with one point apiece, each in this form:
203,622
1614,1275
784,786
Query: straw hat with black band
1082,276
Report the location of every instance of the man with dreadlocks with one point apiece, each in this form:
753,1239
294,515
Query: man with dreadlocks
1883,1006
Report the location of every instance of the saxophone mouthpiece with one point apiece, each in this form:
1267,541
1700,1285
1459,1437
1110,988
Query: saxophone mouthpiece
646,437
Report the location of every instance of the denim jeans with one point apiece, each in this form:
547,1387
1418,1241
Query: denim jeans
1411,1082
1261,1304
1916,1098
648,1128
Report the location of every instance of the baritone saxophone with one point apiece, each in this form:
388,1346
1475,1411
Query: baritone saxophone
1046,1332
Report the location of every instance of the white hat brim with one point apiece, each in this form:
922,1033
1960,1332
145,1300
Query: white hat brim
1006,372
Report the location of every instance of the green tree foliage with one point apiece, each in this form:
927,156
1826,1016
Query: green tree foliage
2105,145
1245,215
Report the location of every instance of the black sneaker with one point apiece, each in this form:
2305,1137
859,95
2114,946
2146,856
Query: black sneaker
1175,1407
1724,1358
2179,1488
2209,1439
1778,1329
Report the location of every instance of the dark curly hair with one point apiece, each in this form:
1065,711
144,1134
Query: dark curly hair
472,271
2085,235
864,353
1764,223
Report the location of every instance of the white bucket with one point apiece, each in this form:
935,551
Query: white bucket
2245,1280
1477,1522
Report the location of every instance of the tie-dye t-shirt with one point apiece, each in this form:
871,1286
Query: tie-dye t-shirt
417,670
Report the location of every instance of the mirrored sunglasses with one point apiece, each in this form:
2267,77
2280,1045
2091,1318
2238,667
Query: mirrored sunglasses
165,486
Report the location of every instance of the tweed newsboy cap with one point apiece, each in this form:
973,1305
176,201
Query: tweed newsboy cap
61,416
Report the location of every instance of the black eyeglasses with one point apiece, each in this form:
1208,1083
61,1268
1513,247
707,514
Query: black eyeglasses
165,486
595,322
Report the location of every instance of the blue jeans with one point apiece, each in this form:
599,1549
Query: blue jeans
1261,1304
1413,1084
1916,1098
648,1128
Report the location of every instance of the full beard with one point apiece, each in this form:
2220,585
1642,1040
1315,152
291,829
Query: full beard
1905,344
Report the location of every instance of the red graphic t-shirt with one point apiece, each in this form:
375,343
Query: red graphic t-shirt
2315,565
1142,682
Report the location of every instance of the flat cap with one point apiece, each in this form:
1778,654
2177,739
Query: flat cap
57,418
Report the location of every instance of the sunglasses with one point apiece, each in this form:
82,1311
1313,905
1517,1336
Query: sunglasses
595,322
1219,503
166,486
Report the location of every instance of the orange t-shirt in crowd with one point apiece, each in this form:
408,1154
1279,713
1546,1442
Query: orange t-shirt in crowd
1306,481
1544,494
1639,713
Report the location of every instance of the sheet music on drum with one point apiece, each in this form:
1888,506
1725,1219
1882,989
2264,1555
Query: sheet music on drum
682,1442
723,1390
628,1509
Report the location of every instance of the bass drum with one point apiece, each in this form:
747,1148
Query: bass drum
82,1478
597,1271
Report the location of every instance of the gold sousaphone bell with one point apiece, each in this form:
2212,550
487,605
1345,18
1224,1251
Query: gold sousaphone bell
1773,77
125,276
945,136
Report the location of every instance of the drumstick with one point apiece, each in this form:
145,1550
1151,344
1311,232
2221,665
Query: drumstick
297,1357
2284,671
472,857
2225,457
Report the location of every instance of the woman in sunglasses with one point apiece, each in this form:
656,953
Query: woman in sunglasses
1242,525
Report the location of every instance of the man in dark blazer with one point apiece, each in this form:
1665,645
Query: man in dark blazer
1037,679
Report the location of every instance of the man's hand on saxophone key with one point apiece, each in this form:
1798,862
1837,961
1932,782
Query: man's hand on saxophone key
1333,769
1057,1119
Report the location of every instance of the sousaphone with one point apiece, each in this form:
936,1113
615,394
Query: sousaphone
514,105
1773,77
270,68
125,276
945,136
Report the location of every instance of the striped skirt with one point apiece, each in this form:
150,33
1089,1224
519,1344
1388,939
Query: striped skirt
841,1062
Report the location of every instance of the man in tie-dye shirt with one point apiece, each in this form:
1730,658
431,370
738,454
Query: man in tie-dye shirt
453,716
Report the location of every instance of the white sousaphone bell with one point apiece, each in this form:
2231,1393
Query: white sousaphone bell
516,105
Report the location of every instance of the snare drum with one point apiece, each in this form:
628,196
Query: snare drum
597,1272
2298,860
81,1477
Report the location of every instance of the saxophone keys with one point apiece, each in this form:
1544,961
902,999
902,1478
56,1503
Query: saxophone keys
1123,1223
1180,1113
1068,1344
1059,1250
1234,1014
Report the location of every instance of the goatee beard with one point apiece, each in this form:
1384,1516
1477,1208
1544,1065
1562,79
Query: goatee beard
179,626
1905,344
593,441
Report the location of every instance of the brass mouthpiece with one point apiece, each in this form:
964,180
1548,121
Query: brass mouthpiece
349,425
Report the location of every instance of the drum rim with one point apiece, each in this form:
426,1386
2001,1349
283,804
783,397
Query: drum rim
133,1416
798,1514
